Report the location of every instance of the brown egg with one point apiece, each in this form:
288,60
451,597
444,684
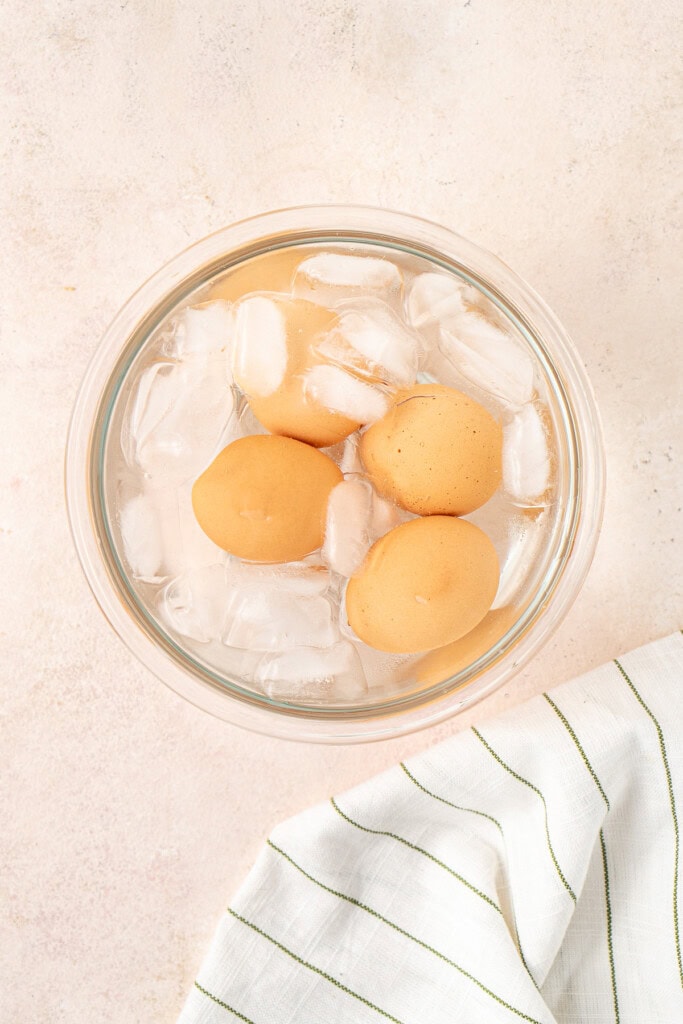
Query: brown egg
436,451
288,328
423,585
438,665
264,498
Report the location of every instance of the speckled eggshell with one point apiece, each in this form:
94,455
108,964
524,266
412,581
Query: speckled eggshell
264,498
423,585
436,452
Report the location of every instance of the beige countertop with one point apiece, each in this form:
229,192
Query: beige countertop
541,131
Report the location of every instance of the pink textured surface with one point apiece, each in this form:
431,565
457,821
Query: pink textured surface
129,817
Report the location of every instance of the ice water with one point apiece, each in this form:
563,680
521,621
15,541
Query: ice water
281,630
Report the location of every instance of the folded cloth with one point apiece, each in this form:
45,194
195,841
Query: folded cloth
526,870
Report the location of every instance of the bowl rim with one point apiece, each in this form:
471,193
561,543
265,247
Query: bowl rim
277,229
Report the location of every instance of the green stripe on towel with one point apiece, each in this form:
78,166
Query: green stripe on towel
494,821
418,849
672,802
408,935
312,967
536,790
219,1002
603,848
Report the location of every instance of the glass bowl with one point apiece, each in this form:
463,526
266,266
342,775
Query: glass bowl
449,679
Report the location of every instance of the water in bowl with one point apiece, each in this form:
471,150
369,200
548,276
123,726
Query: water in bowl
281,630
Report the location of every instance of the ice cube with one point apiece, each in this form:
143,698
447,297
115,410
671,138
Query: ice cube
147,406
151,535
275,621
245,423
438,368
385,516
526,537
347,530
494,518
489,357
526,458
340,392
234,663
295,578
161,536
334,674
175,419
196,548
517,538
342,618
259,360
203,330
437,299
141,538
274,608
241,423
334,451
194,604
350,461
385,672
369,340
331,277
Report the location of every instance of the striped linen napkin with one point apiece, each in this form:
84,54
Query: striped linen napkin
524,871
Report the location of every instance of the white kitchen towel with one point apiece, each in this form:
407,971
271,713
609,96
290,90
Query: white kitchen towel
526,870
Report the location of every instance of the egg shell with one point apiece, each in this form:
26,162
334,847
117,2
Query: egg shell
264,498
289,410
424,584
436,451
438,665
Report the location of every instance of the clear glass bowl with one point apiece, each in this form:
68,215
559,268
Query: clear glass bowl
449,683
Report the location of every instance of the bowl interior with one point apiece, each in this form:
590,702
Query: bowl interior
421,688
